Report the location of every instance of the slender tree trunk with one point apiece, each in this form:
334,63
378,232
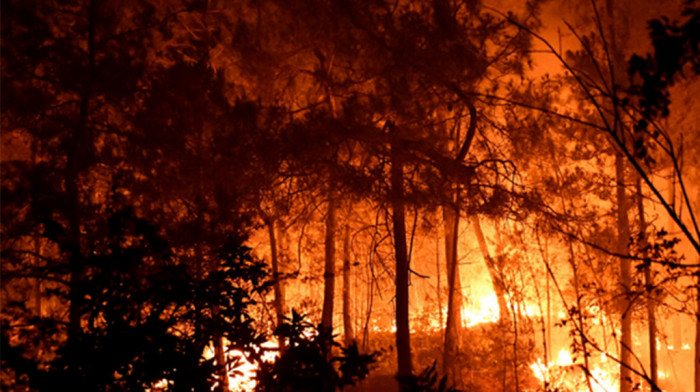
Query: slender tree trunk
37,281
347,303
623,235
516,336
454,294
329,271
76,264
403,337
219,341
451,221
329,247
37,238
498,285
368,311
649,283
581,328
548,351
221,362
76,162
437,289
697,335
277,287
623,226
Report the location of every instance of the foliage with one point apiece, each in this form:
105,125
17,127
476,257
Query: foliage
676,48
427,381
145,319
309,361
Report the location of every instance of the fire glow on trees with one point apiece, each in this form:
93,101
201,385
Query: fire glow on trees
321,195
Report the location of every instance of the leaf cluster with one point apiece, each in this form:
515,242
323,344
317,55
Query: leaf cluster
310,361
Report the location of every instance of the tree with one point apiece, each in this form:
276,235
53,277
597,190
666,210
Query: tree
88,127
626,116
59,59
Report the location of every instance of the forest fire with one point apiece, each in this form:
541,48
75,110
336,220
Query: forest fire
565,374
482,309
323,195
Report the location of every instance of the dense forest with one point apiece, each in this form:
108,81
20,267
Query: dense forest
377,195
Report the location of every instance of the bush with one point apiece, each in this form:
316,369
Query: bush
307,362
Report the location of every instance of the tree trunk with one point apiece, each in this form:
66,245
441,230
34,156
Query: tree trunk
329,247
347,316
623,227
75,261
454,294
75,164
649,283
37,237
222,363
451,221
697,336
437,288
403,337
329,270
498,285
277,287
37,281
623,235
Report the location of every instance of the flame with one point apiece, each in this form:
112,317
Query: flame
484,309
566,373
604,380
564,358
242,377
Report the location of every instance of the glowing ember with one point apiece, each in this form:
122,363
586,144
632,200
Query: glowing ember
160,385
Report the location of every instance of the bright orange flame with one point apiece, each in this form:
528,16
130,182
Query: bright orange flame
484,309
566,374
242,377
